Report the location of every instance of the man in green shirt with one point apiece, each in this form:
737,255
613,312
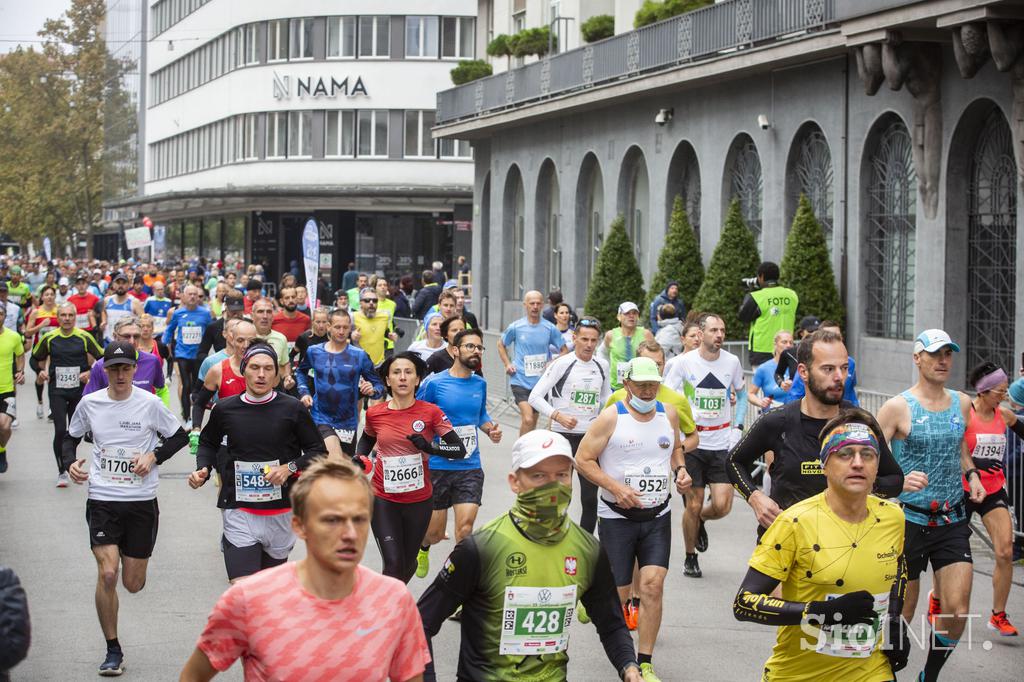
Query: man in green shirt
621,344
18,290
519,579
12,370
769,310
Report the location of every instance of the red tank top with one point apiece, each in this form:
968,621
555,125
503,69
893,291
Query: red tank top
986,441
230,383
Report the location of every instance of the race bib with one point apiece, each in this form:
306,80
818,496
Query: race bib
82,321
585,401
345,435
191,335
159,324
403,473
117,468
67,377
533,365
112,317
854,641
989,446
468,436
535,620
620,371
251,485
650,482
709,403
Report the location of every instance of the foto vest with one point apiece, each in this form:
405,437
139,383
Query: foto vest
778,312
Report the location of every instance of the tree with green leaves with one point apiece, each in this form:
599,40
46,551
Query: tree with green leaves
679,260
734,259
617,277
806,267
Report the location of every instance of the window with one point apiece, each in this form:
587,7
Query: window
300,133
374,36
340,133
277,135
421,37
277,40
341,36
301,38
373,133
245,131
417,134
455,149
245,44
457,35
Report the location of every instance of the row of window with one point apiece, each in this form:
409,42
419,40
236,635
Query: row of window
167,13
362,133
350,37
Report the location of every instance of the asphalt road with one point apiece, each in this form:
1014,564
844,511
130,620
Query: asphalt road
43,537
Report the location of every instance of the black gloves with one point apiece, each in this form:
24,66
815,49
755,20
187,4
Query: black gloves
849,609
899,644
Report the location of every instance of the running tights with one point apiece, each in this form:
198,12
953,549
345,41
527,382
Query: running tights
588,491
399,528
62,406
188,370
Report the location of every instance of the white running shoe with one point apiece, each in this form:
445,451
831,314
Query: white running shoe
39,411
63,480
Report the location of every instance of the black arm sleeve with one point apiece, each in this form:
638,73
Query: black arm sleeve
749,310
210,439
603,606
889,481
69,450
451,588
1018,428
786,366
200,399
169,446
451,446
209,335
310,440
754,602
755,442
365,445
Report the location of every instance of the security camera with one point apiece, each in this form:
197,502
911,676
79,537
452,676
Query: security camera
762,121
663,116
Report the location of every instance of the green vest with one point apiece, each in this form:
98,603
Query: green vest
618,355
778,312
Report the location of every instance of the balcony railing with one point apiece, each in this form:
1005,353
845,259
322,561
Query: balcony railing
691,37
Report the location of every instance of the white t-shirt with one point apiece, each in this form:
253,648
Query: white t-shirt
121,430
584,392
707,385
421,349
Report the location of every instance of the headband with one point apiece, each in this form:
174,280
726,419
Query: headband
255,350
845,435
991,380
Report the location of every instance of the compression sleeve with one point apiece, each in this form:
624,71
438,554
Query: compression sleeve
210,439
602,603
310,440
169,446
741,407
69,450
206,343
753,445
452,587
889,481
302,378
200,399
365,445
165,396
754,602
539,395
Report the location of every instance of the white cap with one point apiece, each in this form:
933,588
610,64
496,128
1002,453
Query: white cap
536,446
63,282
626,307
931,340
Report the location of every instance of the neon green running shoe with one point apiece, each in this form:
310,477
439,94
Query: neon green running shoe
422,563
647,673
581,613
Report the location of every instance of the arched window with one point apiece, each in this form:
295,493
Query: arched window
684,181
589,220
747,183
811,175
548,257
634,200
514,204
891,224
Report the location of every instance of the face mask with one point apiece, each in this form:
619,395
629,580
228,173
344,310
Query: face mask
642,406
542,514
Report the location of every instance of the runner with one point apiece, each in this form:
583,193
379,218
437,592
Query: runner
223,378
796,391
267,619
313,336
118,305
41,320
620,344
63,290
838,556
127,425
925,428
563,322
401,430
772,394
213,336
513,564
61,359
986,441
372,327
458,484
461,311
570,393
708,376
19,291
150,342
532,338
287,320
269,438
148,373
263,317
442,359
85,302
12,371
15,314
185,327
632,451
331,379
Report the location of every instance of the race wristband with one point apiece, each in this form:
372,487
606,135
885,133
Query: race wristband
967,474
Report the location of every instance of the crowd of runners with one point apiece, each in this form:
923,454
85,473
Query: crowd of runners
295,403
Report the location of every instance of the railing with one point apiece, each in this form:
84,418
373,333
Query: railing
691,37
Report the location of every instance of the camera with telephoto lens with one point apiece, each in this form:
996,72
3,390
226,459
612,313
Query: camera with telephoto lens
750,283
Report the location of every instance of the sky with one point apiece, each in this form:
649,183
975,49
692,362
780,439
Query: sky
20,20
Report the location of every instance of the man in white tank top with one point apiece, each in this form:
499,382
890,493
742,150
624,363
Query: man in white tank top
633,453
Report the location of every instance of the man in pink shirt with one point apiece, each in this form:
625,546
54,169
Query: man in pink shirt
325,617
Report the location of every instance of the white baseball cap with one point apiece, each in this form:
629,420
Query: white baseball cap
536,446
63,282
626,307
931,340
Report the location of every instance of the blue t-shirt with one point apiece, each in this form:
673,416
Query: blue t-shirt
186,328
797,390
337,383
157,307
531,351
764,378
464,402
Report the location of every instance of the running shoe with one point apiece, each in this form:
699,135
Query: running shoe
581,613
691,569
63,480
1001,624
934,607
702,537
113,666
15,424
422,563
3,461
39,411
631,614
647,673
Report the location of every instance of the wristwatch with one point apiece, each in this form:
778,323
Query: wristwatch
293,467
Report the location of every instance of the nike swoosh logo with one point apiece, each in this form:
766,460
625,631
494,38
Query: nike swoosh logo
362,632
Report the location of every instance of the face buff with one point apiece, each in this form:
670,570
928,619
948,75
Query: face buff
542,514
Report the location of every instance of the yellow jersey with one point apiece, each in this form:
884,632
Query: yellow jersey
372,333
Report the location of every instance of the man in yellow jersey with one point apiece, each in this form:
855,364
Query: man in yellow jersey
372,326
12,370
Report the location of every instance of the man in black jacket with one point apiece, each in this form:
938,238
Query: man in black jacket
426,297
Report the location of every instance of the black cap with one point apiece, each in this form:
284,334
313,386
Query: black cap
809,323
81,277
234,303
119,275
120,353
254,285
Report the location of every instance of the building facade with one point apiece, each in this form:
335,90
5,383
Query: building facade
261,115
900,120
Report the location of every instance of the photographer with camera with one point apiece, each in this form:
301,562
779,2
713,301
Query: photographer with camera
769,309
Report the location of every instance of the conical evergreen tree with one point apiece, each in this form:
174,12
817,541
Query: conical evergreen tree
806,267
734,259
617,277
679,259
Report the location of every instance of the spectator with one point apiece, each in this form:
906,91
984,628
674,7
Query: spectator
554,298
348,280
426,297
768,309
670,294
670,329
402,296
463,265
440,275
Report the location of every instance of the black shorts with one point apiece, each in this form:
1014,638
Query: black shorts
10,409
649,543
996,500
457,487
940,545
521,394
328,430
707,466
131,525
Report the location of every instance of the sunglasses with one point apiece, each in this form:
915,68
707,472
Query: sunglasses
588,323
369,300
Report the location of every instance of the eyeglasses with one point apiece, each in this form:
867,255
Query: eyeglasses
130,337
472,347
584,322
